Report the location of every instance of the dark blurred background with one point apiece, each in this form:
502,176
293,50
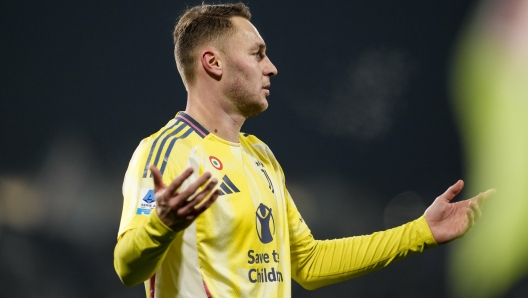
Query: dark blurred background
359,117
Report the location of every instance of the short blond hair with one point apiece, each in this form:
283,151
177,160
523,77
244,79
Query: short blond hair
201,24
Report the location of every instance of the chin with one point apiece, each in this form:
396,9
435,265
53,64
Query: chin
253,110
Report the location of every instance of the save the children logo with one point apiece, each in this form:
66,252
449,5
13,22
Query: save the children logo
265,223
264,263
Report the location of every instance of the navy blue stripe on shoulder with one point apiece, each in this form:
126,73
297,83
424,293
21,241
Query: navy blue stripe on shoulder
162,144
147,165
197,127
169,149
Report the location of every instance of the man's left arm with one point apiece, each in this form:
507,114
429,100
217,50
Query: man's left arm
449,221
316,263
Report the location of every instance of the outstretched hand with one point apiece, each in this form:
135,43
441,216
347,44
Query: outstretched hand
449,221
179,208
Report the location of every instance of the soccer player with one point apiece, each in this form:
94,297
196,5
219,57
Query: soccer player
206,209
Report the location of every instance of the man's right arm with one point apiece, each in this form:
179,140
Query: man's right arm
140,251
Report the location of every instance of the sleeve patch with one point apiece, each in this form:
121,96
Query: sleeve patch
147,202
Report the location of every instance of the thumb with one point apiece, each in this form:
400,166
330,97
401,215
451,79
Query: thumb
452,191
158,180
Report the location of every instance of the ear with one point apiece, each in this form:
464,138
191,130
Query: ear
211,63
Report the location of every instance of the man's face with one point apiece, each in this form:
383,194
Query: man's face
247,69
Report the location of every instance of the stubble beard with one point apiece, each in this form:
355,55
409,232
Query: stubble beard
248,102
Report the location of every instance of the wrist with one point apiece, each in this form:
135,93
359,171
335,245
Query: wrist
162,229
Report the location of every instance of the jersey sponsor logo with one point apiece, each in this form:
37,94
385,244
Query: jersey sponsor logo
265,264
265,223
227,186
262,272
256,275
217,164
147,202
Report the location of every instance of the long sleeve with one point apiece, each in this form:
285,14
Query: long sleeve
319,263
140,251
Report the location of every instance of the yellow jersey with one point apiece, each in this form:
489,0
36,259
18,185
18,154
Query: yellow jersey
252,241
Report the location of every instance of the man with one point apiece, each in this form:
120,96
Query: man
252,240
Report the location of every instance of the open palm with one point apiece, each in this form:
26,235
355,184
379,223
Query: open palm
449,221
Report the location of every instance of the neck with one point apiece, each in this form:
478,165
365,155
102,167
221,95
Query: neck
210,111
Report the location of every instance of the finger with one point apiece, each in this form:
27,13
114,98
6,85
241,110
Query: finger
471,218
185,196
198,197
195,212
191,189
207,203
158,180
178,181
452,191
490,192
483,196
477,212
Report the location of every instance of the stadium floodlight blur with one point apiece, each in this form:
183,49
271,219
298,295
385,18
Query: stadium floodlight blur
491,92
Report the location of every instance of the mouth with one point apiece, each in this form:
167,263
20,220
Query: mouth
266,88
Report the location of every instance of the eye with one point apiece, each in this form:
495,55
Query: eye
258,55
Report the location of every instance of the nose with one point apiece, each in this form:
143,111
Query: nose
270,69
